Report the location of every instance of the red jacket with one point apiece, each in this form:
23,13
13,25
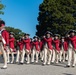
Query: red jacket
11,42
49,42
5,35
27,44
41,43
21,45
36,44
57,44
73,40
65,46
31,45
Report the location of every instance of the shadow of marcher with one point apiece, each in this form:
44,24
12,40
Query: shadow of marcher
67,74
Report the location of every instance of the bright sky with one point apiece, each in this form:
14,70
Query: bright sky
22,14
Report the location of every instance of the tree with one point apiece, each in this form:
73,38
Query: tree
17,32
1,8
57,16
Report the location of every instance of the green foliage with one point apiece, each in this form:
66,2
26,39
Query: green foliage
17,32
1,8
57,16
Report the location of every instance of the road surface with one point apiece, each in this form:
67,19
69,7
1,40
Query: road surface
37,69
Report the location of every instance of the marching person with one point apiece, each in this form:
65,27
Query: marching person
36,49
4,42
41,43
56,42
53,53
63,49
31,43
11,45
47,48
20,46
72,48
26,49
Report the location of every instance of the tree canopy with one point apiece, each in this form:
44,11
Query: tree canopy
17,32
57,16
1,8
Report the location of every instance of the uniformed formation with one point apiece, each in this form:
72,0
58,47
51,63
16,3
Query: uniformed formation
49,49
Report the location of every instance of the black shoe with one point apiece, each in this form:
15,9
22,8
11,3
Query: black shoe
73,66
41,60
32,62
67,65
59,61
43,64
3,67
21,63
52,62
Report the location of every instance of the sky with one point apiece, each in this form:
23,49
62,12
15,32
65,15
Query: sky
21,14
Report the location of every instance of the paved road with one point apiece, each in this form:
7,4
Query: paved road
37,69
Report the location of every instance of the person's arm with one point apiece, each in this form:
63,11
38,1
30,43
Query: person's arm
6,37
48,40
25,41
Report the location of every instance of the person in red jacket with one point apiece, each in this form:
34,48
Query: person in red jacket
72,48
27,49
64,49
20,46
47,48
56,42
31,43
4,42
36,49
11,45
41,43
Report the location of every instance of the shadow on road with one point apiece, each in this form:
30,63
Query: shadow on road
67,74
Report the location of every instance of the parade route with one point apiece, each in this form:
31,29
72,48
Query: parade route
37,69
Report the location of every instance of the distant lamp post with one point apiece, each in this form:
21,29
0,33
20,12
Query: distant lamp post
74,25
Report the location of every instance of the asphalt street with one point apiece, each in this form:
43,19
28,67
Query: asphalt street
37,69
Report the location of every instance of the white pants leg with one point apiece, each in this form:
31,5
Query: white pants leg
37,54
28,58
74,58
42,53
4,56
22,56
60,55
8,55
69,56
18,56
49,56
45,56
12,54
66,58
33,55
53,56
57,57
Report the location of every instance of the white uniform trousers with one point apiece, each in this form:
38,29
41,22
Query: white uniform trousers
53,56
71,57
23,55
19,53
63,55
8,55
34,52
47,56
12,55
4,54
57,56
42,55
